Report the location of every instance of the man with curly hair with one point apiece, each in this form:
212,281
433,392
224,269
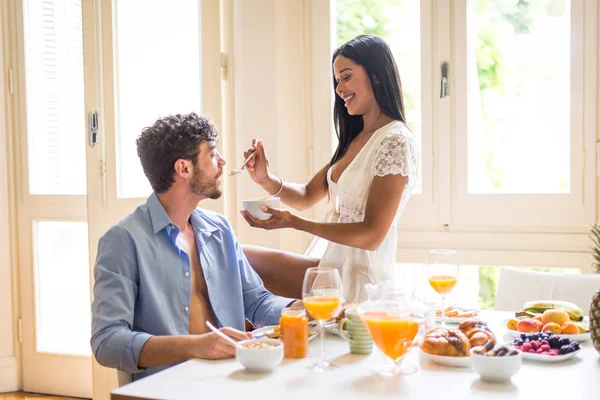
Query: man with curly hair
169,267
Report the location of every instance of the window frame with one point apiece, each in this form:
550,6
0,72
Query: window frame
484,229
576,208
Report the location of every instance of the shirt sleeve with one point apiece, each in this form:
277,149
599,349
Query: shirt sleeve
261,307
397,154
114,343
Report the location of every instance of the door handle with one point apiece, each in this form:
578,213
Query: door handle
93,128
444,90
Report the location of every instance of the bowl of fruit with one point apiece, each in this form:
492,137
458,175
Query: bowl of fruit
496,364
546,347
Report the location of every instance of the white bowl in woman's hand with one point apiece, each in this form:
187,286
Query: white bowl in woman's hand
254,207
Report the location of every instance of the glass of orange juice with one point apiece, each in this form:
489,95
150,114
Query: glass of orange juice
322,297
442,274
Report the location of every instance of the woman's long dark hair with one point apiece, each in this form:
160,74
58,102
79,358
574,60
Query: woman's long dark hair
375,56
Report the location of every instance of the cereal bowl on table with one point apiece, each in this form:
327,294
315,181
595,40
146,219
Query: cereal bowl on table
254,207
496,364
259,355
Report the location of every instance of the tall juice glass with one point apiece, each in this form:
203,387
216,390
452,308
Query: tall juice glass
442,274
322,297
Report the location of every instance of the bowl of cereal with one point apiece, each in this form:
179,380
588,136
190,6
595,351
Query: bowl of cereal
259,355
254,207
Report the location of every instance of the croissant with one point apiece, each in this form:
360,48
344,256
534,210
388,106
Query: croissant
446,342
477,332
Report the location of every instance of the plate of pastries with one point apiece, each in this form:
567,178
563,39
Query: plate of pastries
456,314
451,346
274,332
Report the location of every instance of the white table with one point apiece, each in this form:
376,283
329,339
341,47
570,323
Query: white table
576,378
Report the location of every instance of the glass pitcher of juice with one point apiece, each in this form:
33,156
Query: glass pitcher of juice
396,322
294,332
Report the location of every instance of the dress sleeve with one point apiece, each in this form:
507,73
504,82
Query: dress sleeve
397,154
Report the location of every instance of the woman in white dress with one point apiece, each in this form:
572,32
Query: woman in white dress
369,178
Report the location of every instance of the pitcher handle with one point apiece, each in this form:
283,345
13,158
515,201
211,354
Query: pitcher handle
341,324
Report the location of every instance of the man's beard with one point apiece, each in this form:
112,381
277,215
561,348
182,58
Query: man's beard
203,186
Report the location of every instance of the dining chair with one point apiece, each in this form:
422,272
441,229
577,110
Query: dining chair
516,286
124,378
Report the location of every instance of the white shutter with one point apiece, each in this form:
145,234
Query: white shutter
55,108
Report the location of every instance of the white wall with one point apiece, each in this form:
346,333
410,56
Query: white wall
272,102
8,358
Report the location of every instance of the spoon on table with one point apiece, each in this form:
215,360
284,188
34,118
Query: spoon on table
243,167
218,332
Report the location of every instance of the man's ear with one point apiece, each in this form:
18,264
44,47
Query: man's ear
182,167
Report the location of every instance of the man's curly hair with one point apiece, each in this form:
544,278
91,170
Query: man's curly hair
169,139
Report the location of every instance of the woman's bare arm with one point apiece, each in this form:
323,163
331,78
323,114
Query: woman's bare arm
300,196
382,202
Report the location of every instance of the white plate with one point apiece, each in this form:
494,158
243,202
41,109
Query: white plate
580,337
332,327
457,362
450,320
458,320
312,333
548,359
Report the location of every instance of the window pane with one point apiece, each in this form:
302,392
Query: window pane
465,293
56,129
398,22
158,51
519,96
62,284
476,286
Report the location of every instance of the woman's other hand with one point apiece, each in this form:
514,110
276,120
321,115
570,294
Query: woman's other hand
258,166
280,219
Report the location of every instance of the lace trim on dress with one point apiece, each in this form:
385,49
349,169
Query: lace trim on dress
396,155
352,213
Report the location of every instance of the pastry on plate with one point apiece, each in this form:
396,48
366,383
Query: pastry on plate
446,342
477,332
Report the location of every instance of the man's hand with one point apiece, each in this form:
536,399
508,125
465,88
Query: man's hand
211,346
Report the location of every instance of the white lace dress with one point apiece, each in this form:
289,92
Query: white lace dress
391,150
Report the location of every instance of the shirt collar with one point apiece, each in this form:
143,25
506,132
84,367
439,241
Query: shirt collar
158,215
203,225
160,219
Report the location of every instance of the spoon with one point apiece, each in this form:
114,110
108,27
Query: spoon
218,332
243,167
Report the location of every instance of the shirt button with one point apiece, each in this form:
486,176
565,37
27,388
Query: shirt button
187,273
186,308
